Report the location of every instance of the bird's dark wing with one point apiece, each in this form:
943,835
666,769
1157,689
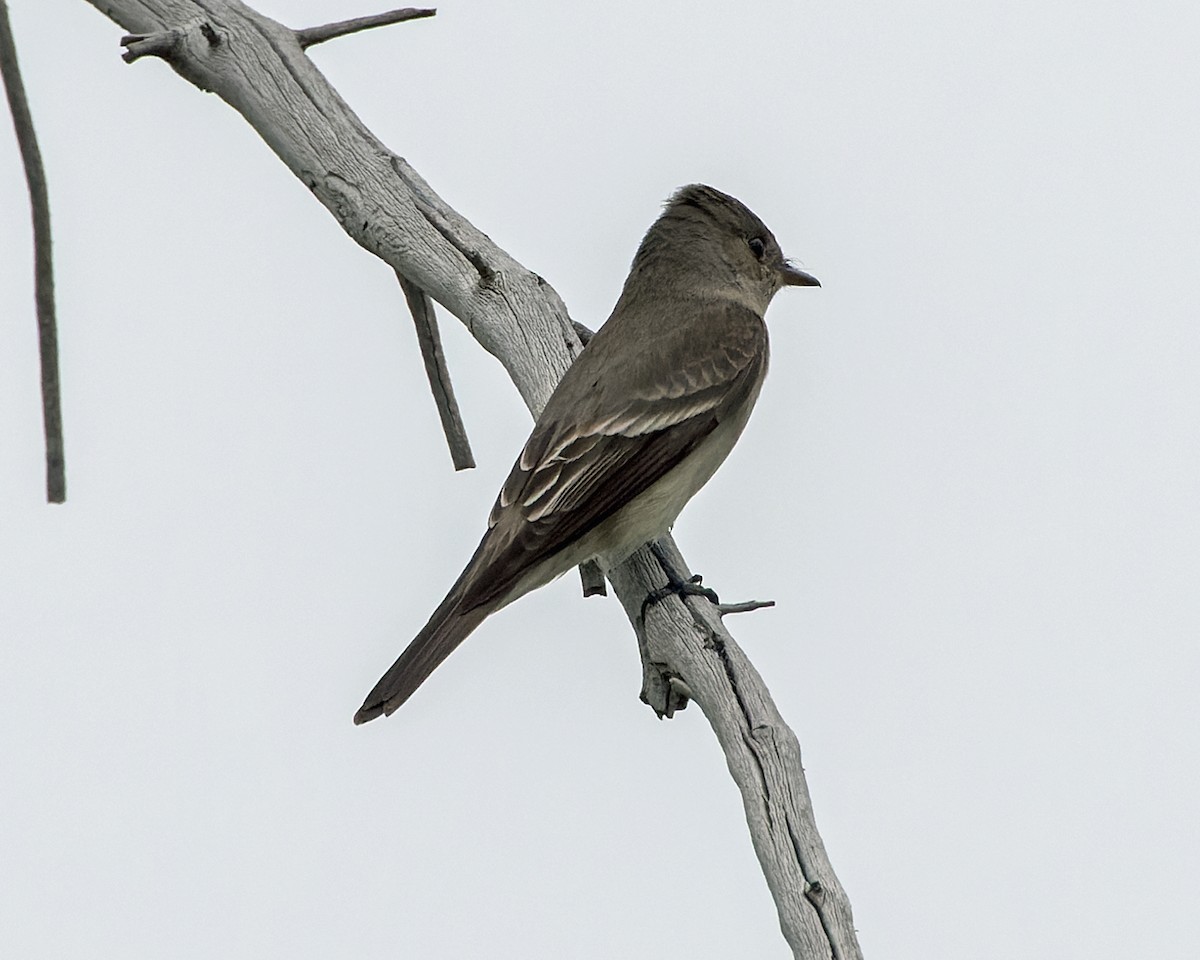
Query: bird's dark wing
604,439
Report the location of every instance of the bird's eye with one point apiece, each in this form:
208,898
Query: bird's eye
757,247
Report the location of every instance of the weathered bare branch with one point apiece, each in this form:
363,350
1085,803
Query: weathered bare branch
388,208
430,341
43,262
695,656
310,36
744,607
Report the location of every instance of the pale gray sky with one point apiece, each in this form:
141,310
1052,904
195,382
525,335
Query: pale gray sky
971,485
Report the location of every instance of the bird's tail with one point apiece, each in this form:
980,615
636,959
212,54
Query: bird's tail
449,626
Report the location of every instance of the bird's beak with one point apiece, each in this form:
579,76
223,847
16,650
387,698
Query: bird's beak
795,277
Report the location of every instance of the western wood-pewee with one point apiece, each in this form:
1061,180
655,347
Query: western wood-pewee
638,424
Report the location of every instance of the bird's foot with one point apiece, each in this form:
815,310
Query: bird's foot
676,586
681,589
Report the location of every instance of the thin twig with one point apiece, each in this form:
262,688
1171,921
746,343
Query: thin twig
592,578
744,607
438,373
311,36
43,262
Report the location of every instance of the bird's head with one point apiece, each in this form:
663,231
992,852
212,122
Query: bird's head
713,242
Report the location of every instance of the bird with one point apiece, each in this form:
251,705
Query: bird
637,425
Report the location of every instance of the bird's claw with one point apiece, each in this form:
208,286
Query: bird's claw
686,588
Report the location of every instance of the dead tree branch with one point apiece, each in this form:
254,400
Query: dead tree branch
744,607
310,36
257,66
430,341
43,262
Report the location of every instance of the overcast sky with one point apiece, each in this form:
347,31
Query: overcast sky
970,483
